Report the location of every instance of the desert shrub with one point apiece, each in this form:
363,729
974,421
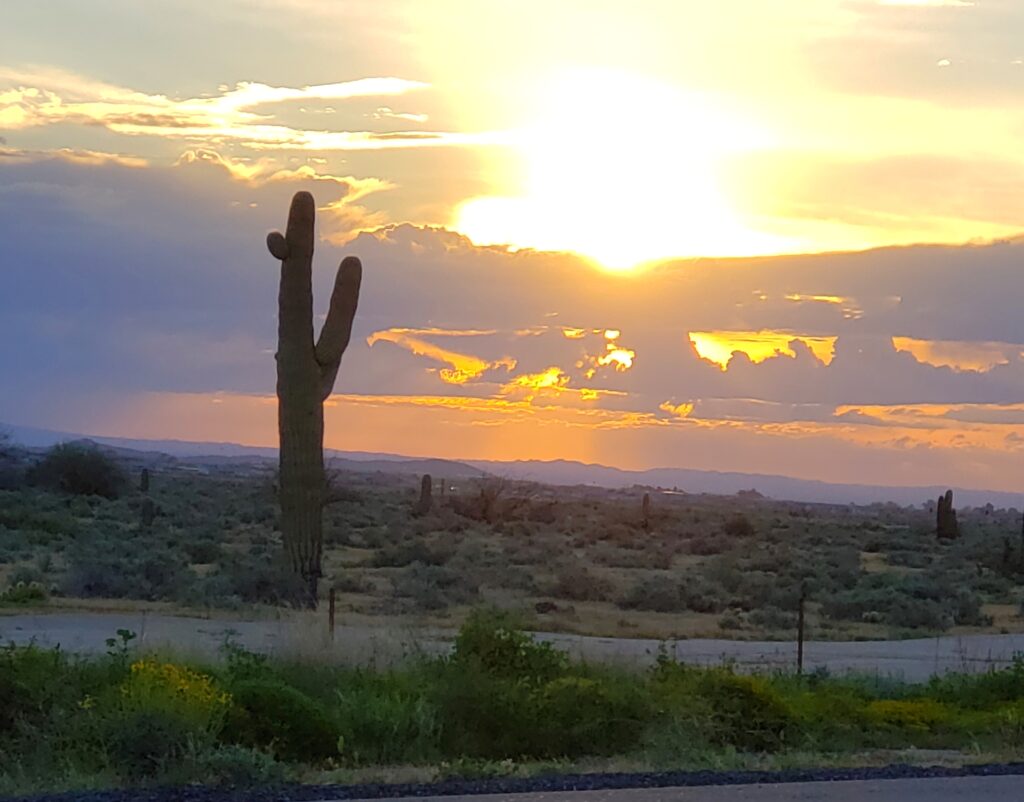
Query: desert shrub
387,718
203,551
24,593
987,690
432,587
702,596
574,581
491,641
484,713
233,766
656,593
352,583
730,621
591,715
78,469
706,545
920,601
912,715
738,525
726,708
27,574
399,555
157,715
139,572
772,618
259,581
268,714
27,690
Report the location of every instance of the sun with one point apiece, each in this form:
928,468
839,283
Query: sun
623,169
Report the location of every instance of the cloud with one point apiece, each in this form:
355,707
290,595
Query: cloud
43,97
979,357
462,368
721,346
125,282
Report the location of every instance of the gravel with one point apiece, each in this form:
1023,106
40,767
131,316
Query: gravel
561,782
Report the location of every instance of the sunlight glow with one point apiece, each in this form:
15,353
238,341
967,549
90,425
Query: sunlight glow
623,169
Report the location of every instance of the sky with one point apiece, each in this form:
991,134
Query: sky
762,236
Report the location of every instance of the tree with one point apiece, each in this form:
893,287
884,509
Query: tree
80,469
306,371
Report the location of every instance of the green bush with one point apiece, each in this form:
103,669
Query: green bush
156,716
592,716
433,587
657,593
727,709
266,713
492,642
24,594
141,570
387,718
234,766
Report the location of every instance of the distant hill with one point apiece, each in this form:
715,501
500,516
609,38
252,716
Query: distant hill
557,472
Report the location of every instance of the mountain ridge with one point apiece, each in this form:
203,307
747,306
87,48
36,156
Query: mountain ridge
555,472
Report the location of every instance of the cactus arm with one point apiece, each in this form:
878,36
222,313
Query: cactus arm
337,330
295,302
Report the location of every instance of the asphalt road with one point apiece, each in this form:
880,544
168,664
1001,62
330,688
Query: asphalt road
914,660
967,789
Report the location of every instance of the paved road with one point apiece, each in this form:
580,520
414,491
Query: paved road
914,660
972,789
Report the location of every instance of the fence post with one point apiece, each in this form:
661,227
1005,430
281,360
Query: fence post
800,632
330,614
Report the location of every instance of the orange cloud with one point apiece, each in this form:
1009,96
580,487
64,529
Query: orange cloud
719,346
462,367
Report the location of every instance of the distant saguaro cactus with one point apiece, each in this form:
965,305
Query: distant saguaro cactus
946,527
306,371
426,500
645,509
148,510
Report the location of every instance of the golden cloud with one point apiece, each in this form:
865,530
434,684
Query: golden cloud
462,367
719,346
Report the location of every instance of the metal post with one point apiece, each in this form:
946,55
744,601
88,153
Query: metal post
330,614
800,632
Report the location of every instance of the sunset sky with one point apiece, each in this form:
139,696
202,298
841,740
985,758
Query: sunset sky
775,236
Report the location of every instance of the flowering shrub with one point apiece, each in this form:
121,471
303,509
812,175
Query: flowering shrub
160,713
178,691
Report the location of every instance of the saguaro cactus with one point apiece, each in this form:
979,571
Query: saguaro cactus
946,527
426,500
148,508
306,371
645,511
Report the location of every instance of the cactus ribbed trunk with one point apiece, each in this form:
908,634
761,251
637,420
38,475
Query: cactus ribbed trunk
426,500
306,371
946,526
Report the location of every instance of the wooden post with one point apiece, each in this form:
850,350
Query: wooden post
330,614
800,633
